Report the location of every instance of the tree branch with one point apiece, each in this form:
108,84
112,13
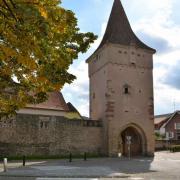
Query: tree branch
2,7
3,14
6,4
14,5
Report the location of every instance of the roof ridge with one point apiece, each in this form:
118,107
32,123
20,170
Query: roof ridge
169,118
162,115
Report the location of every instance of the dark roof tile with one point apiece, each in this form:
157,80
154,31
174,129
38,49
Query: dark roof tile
119,31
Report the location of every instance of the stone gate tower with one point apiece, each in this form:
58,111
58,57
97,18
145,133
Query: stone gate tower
121,88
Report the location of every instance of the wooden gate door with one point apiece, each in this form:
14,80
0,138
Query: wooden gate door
136,142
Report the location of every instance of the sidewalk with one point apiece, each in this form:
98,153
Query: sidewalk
164,166
92,168
17,164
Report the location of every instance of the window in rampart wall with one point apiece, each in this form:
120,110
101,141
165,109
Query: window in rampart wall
44,122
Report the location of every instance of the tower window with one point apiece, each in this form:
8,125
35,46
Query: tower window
133,63
126,90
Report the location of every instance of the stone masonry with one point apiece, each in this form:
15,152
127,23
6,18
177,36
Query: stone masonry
49,135
121,87
121,105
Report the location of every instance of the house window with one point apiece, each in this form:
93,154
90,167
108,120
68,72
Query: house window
178,135
177,125
169,135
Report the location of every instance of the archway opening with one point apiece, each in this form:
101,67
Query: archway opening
134,145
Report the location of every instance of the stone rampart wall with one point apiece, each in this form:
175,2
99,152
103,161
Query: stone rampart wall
49,135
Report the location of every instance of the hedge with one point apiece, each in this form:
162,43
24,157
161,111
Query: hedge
175,148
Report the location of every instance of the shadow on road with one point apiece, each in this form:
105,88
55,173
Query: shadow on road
105,167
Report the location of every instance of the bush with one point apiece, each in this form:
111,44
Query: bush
159,136
175,148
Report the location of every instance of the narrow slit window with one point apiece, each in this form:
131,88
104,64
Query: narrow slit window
94,96
41,124
126,90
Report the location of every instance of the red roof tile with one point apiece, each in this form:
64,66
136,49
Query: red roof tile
54,102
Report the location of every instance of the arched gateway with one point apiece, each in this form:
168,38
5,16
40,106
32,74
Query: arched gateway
137,142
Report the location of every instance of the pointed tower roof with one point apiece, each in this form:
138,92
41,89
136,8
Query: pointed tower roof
119,31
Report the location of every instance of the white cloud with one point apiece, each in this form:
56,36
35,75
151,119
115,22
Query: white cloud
78,91
98,41
157,23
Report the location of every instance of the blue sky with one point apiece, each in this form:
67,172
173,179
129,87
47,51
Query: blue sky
155,22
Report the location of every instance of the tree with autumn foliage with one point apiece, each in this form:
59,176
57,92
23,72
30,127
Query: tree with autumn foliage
38,41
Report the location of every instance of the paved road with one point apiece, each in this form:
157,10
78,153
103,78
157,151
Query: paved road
165,166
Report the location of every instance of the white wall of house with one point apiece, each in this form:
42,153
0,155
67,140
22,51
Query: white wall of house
41,112
162,131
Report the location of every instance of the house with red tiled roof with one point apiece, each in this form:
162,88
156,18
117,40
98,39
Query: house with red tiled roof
168,125
55,105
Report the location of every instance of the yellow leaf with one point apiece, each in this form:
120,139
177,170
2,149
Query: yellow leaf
43,12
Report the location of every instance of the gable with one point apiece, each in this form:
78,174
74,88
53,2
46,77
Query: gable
55,101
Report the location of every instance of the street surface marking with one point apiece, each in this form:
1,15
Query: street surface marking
52,168
66,179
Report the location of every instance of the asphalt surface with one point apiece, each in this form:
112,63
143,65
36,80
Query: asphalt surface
164,166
